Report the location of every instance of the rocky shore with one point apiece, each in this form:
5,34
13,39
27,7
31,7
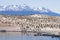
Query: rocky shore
34,23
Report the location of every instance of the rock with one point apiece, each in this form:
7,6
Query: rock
35,23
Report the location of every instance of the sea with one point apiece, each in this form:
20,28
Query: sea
24,36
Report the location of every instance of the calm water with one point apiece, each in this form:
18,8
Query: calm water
23,36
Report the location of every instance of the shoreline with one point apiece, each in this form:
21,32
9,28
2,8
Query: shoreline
34,33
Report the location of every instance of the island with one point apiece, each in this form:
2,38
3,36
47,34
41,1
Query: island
37,23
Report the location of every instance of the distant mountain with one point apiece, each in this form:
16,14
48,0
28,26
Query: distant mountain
25,10
14,8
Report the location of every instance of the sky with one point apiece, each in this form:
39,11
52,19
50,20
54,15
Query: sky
53,5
